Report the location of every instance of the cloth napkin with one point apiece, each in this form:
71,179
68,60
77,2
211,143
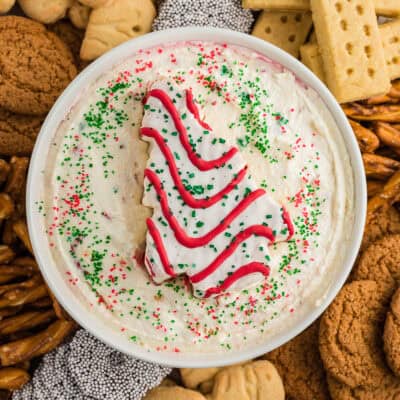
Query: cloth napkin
85,368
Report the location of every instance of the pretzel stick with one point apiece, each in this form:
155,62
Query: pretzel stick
374,187
7,312
17,177
25,321
367,140
385,113
11,272
379,167
26,262
21,230
8,237
36,345
22,296
388,135
6,206
13,378
44,302
6,254
30,283
4,170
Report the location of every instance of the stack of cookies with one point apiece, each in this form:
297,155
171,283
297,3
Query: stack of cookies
347,49
104,23
36,65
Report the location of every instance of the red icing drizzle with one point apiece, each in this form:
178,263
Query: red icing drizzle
190,104
288,222
203,274
187,196
244,270
202,165
179,232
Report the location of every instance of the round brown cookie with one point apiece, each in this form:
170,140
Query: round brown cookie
350,336
35,66
18,133
380,262
391,335
72,37
299,364
388,390
384,221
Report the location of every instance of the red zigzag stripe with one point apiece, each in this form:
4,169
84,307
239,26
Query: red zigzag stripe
202,165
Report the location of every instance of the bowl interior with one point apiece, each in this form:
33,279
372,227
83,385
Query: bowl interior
58,284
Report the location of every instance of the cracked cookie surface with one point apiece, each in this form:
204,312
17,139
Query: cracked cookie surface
35,66
18,133
391,335
350,337
300,366
380,262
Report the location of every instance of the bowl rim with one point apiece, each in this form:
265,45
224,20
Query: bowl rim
61,108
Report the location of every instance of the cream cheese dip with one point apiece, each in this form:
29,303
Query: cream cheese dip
96,221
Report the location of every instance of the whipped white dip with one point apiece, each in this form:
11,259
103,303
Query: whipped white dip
96,222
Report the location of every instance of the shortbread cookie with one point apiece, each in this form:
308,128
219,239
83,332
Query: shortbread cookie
45,11
380,263
387,8
281,5
18,133
391,335
388,390
113,24
36,66
300,366
173,393
256,380
352,50
79,15
95,3
311,57
350,336
285,30
6,6
193,377
390,34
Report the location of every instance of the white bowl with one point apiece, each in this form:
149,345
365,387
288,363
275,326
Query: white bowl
57,282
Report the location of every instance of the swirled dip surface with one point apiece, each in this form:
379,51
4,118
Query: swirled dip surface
96,222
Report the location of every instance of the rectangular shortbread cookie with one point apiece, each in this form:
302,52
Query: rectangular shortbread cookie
390,34
286,30
387,8
351,48
281,5
312,59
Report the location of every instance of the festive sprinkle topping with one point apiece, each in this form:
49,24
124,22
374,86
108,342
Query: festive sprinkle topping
96,223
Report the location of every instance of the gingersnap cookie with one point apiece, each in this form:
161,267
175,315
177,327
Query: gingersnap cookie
18,133
391,335
350,336
388,390
35,66
173,393
256,380
380,262
72,37
300,366
384,221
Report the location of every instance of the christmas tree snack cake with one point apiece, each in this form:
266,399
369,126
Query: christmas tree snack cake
198,196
